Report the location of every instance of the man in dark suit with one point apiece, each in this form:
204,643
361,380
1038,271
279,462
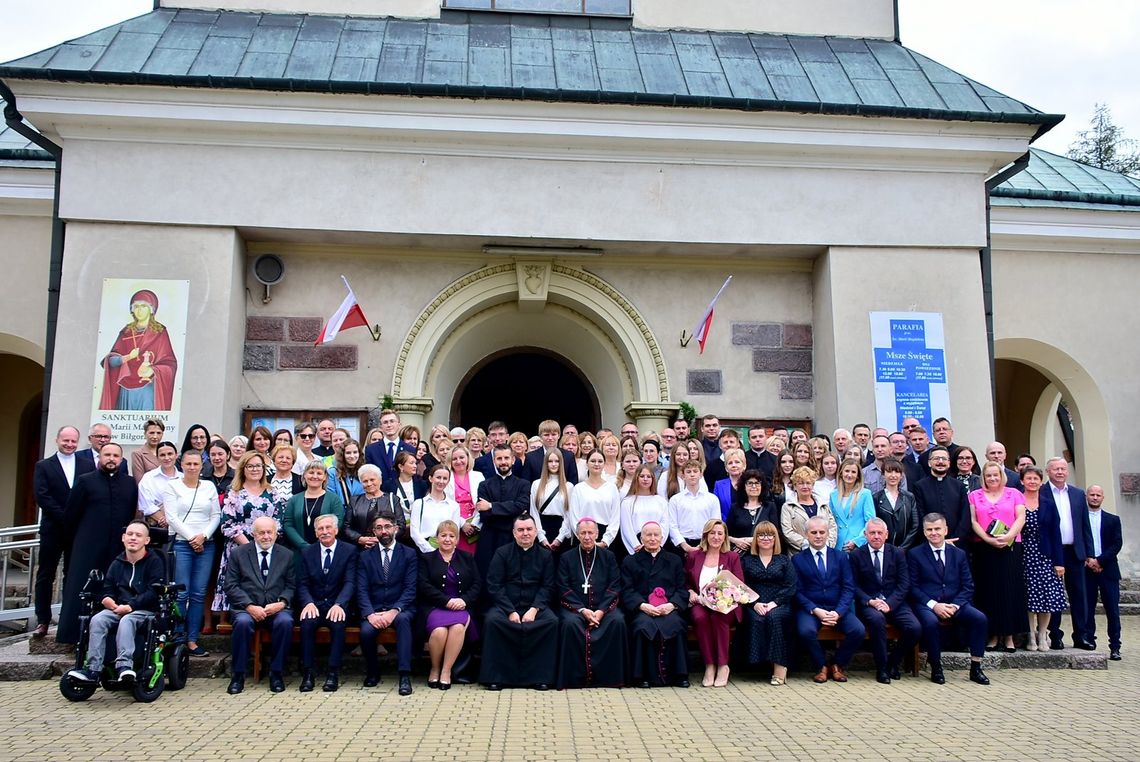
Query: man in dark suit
942,589
1076,548
758,457
53,478
326,581
100,506
386,578
535,462
497,434
710,438
825,591
882,582
715,469
98,435
900,451
1103,574
259,586
943,437
995,451
942,493
382,454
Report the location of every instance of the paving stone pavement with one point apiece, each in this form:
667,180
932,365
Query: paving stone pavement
1038,714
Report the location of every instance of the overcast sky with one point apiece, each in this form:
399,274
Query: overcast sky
1060,56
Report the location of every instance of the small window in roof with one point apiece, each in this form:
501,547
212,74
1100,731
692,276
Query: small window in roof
575,7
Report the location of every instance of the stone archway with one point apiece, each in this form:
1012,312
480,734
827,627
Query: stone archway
540,303
1045,375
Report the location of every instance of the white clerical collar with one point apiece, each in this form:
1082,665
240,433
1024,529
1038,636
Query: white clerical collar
65,458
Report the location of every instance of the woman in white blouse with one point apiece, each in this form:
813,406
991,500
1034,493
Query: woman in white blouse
594,497
549,498
430,510
152,486
193,514
641,506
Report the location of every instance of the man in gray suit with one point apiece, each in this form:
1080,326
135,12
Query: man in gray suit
259,587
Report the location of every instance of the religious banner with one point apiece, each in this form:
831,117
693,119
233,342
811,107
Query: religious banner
910,368
138,369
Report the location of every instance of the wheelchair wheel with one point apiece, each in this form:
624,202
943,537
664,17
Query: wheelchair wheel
74,690
178,667
144,691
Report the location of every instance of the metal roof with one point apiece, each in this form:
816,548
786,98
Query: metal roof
524,56
15,147
1052,180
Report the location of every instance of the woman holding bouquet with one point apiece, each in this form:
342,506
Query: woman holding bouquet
701,567
464,489
998,514
770,573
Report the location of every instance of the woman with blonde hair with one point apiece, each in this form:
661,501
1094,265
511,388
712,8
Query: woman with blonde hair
795,513
771,575
611,449
550,498
438,434
587,443
851,506
702,566
464,490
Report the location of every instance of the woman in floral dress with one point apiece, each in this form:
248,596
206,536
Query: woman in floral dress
249,498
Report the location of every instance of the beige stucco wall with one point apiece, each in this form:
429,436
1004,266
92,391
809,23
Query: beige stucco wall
25,250
850,283
415,9
841,18
210,258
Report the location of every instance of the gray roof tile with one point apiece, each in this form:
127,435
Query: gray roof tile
586,58
1052,180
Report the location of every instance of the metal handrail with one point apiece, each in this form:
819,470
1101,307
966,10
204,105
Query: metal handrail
19,559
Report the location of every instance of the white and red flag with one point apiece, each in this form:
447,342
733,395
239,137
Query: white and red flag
348,315
701,332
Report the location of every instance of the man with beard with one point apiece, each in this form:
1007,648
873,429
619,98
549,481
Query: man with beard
654,593
386,579
942,493
594,648
501,498
521,640
99,508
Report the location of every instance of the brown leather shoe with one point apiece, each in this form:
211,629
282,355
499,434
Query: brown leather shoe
40,631
821,676
837,674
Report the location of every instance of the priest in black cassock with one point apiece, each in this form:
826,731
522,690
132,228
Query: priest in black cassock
654,593
594,649
520,640
501,498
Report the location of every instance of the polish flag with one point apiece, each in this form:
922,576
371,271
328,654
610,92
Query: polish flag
348,315
701,332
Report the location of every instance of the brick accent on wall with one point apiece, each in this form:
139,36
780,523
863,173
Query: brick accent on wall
286,343
783,348
1130,484
705,382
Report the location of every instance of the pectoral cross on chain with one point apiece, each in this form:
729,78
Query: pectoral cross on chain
586,587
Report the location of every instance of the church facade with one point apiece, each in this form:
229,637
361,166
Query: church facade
535,209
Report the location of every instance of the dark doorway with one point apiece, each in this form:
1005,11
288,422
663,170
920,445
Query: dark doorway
522,387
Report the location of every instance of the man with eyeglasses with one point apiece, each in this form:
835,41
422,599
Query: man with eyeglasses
942,493
386,579
98,435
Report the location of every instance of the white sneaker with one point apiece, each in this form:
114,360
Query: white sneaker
127,675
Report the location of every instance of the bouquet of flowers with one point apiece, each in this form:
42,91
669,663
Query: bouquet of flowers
725,592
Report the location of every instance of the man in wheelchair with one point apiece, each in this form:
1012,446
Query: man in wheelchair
128,603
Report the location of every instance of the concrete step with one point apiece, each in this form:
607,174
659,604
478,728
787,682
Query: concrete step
1130,583
1126,609
1069,658
1130,596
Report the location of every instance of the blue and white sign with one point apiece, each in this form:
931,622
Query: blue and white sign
910,368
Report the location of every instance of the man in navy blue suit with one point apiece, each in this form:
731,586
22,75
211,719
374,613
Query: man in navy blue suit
882,582
53,478
535,461
98,435
382,454
942,589
325,584
497,434
1076,546
386,580
1103,575
825,591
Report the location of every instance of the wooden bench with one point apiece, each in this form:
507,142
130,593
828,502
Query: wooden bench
829,633
263,636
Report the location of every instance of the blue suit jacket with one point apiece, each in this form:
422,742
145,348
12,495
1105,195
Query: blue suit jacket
1049,527
927,583
835,591
373,594
896,576
1111,543
1082,530
377,454
324,590
88,455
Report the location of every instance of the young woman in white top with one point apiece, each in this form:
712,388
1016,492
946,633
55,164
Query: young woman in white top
193,514
549,498
596,498
306,440
152,487
587,443
829,480
630,462
430,510
641,506
611,449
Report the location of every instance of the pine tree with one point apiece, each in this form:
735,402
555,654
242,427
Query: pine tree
1104,145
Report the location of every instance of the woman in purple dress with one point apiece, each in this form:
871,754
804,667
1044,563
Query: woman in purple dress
449,585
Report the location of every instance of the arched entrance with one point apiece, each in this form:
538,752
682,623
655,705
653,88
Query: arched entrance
523,386
21,398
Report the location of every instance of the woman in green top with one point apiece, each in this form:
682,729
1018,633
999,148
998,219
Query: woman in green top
304,508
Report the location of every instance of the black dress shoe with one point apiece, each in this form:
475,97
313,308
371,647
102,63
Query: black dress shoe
276,682
682,682
977,675
40,631
883,677
1056,644
1084,645
307,682
433,684
332,682
371,680
237,685
541,687
444,686
494,687
643,684
1114,654
405,685
894,673
1010,649
936,675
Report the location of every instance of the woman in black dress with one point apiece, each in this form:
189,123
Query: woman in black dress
771,574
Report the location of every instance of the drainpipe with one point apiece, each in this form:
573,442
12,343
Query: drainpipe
14,119
987,263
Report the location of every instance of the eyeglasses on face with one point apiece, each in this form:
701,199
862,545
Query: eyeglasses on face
306,436
765,537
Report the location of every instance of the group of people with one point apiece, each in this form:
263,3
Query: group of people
582,558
